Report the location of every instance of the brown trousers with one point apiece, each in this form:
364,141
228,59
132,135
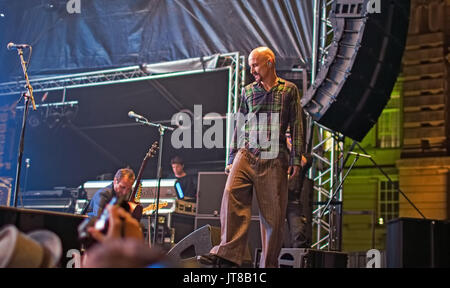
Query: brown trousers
268,179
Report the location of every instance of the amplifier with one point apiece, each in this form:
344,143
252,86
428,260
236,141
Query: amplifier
308,258
149,188
311,258
185,207
210,191
57,200
66,205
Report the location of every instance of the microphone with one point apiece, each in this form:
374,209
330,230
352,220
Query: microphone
131,114
11,45
359,154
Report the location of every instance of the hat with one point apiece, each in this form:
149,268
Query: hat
38,249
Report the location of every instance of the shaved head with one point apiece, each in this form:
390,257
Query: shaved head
262,65
263,52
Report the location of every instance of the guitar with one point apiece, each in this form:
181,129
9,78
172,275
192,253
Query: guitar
150,208
136,209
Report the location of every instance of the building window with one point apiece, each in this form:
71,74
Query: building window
390,122
388,202
388,135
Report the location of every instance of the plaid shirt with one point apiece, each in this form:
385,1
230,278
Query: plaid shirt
284,99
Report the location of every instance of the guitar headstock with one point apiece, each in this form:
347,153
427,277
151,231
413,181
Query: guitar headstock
152,151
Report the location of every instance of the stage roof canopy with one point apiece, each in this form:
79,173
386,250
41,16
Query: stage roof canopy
117,33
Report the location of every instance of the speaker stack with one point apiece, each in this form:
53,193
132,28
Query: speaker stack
418,243
355,82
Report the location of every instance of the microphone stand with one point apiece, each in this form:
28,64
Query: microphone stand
340,185
162,129
28,96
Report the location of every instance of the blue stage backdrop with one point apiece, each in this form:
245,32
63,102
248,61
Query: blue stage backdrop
68,147
117,33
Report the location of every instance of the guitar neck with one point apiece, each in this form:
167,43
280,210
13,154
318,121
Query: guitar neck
149,155
138,180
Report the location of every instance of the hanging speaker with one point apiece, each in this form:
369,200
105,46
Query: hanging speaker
354,84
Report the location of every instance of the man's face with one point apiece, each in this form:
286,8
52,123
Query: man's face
123,187
177,169
258,66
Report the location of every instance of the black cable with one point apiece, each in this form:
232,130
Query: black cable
390,181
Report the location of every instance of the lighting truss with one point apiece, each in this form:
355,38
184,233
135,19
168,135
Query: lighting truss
233,62
327,151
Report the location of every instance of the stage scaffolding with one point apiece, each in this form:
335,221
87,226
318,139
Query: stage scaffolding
327,149
327,146
233,62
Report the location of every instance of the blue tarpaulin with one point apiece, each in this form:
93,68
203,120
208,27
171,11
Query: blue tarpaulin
117,33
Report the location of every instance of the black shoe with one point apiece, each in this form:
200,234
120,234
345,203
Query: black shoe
215,261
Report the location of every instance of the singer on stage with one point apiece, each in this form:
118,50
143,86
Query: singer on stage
269,96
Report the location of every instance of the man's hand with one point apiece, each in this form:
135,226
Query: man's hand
295,170
304,161
119,220
228,169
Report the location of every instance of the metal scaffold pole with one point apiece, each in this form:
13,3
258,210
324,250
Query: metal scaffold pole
327,149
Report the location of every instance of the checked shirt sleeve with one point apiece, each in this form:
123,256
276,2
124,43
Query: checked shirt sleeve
243,110
296,124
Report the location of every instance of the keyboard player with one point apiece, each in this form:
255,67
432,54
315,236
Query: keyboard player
186,181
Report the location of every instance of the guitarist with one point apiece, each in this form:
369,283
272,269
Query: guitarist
121,186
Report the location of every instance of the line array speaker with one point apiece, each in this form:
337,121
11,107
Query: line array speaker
355,82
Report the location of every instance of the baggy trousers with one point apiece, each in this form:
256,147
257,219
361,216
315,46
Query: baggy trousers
268,179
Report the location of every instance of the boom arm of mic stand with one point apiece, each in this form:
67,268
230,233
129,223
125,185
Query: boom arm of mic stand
157,125
27,80
340,185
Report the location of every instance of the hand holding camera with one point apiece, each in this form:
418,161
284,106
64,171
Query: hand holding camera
120,225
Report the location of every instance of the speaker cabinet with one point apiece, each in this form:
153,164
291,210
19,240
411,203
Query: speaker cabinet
183,225
210,191
309,258
354,84
64,225
418,243
254,234
199,242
